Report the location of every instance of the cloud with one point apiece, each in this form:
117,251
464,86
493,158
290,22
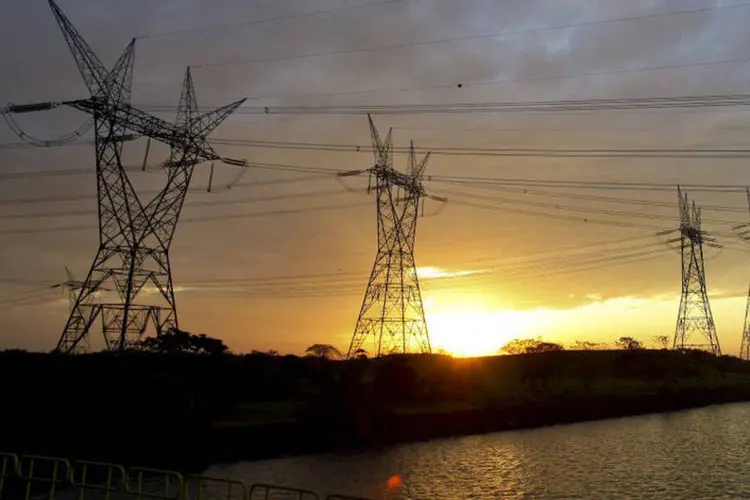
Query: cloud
427,273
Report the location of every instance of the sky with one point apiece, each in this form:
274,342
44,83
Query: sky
281,259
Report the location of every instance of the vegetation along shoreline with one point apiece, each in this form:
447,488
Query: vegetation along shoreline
188,410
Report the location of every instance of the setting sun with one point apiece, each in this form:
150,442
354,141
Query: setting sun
476,331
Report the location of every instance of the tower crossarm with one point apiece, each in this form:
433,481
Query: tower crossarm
147,125
162,213
399,179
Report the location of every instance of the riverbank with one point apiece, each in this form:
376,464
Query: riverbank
189,411
236,442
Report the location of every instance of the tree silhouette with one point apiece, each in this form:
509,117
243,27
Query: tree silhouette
544,347
360,353
661,341
270,352
628,344
585,345
521,346
324,351
176,340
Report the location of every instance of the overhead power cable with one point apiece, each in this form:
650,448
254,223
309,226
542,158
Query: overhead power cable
469,200
664,102
595,185
519,185
499,264
210,203
498,152
661,153
481,36
472,199
346,286
211,218
684,153
341,284
601,199
277,19
511,81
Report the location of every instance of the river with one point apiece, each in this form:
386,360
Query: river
694,454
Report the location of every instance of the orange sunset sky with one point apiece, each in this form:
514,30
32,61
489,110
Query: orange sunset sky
281,260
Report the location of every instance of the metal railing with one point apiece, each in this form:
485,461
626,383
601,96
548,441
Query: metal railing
32,477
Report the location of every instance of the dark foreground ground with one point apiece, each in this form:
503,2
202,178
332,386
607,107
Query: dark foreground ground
186,411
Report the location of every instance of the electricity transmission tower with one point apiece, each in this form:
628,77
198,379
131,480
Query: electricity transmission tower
392,315
134,240
745,344
72,287
694,318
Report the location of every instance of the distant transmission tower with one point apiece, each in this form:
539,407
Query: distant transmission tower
694,318
745,344
392,315
73,288
133,240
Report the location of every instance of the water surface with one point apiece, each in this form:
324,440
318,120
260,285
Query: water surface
695,454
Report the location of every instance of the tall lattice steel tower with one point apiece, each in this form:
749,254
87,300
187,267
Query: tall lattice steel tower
695,323
745,344
134,240
392,315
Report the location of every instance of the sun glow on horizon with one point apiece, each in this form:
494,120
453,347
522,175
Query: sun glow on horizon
478,324
476,331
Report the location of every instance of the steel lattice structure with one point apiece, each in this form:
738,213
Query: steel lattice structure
73,287
134,240
745,344
694,317
392,315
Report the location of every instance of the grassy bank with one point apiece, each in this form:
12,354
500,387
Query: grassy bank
190,410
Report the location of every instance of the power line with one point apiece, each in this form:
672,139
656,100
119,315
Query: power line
604,199
596,185
548,215
492,183
571,105
86,197
468,37
258,288
314,277
461,196
683,153
269,213
157,108
212,203
571,130
721,153
268,20
348,286
509,81
568,254
455,196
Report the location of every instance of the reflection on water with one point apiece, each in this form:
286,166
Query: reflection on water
696,454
